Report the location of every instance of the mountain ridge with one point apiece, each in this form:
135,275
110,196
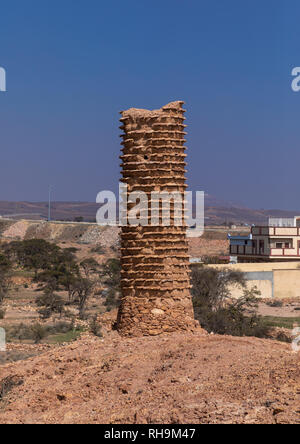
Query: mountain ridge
217,211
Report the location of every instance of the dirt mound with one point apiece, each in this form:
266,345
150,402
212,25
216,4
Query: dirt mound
280,334
107,237
17,230
19,352
178,378
104,236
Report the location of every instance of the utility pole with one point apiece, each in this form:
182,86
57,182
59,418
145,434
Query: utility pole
49,204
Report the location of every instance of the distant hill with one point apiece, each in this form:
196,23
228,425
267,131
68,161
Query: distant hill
59,210
216,211
219,215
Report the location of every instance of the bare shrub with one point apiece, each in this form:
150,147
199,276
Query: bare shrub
275,303
7,384
2,313
95,327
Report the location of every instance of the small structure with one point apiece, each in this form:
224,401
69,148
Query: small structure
278,241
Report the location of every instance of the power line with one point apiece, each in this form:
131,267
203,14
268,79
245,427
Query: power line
49,203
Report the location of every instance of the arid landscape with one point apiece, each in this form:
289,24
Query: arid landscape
149,215
79,375
217,211
175,379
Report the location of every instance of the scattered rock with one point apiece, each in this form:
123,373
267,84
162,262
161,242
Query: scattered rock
181,378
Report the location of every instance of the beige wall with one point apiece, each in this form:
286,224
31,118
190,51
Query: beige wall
286,279
272,231
262,266
265,287
286,231
287,284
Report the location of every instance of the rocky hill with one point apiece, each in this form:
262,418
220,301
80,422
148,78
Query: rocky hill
177,378
82,233
211,244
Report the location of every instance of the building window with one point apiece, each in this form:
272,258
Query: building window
261,246
279,245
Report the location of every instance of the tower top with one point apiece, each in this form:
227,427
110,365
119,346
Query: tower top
139,113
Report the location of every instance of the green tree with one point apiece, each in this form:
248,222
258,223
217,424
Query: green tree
89,267
111,272
82,289
50,303
38,333
59,276
5,276
111,276
215,308
38,255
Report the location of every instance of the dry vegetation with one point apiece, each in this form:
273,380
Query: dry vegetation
61,278
100,377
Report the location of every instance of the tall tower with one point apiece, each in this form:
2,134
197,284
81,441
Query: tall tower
155,278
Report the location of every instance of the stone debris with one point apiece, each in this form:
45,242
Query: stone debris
177,378
17,230
106,237
89,234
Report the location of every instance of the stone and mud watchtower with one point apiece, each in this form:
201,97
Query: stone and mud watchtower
155,281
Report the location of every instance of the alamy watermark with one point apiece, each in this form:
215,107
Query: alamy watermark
2,340
296,81
2,80
296,341
153,209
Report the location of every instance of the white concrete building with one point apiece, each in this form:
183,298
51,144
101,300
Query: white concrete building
279,241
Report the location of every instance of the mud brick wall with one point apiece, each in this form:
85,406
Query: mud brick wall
155,279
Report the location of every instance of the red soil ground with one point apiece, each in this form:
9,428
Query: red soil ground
177,378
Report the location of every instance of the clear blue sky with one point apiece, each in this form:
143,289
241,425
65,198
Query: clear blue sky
73,65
